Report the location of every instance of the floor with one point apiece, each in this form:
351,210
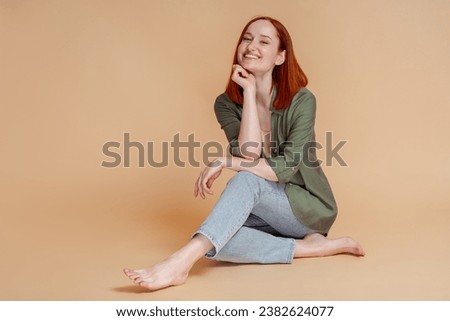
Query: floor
70,243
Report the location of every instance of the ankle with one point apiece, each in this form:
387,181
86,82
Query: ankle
199,246
196,248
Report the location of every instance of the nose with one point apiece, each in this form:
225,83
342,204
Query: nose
252,45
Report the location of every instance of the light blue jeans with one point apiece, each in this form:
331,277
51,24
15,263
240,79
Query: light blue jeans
252,222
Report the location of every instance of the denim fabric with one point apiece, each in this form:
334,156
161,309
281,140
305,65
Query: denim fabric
252,222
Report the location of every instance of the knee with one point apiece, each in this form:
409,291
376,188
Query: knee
244,177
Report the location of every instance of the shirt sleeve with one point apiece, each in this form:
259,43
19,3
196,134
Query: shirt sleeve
300,137
229,118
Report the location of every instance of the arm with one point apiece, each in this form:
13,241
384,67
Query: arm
249,138
229,117
286,164
279,168
258,167
208,175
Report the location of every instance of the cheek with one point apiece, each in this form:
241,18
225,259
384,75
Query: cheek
271,55
240,53
241,49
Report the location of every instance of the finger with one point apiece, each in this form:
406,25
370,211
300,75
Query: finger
196,188
205,186
243,73
235,74
239,71
237,66
209,183
199,186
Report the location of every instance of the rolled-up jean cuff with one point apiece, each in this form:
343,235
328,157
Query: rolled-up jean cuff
291,252
212,252
216,248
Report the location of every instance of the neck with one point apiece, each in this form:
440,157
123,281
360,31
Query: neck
264,89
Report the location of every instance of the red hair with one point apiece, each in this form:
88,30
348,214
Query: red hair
287,77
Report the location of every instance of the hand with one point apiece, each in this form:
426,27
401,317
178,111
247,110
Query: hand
243,78
207,178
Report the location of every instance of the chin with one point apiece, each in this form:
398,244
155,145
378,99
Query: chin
248,66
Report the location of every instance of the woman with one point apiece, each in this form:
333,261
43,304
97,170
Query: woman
279,205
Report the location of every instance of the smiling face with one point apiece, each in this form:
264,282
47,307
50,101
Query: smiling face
259,51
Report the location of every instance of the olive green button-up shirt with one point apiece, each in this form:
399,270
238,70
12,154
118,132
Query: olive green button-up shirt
292,156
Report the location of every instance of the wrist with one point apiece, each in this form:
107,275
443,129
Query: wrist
221,162
249,92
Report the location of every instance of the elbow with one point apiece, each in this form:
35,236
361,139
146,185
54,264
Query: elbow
250,150
250,154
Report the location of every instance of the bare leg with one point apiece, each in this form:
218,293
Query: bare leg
175,269
315,245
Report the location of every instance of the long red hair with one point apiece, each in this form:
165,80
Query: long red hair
287,77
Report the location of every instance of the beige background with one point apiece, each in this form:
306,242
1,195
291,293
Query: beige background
76,74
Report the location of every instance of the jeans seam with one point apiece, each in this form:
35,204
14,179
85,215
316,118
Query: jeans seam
234,229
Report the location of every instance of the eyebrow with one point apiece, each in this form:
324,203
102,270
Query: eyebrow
248,33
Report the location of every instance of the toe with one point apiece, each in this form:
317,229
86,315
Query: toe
133,276
145,285
129,272
138,280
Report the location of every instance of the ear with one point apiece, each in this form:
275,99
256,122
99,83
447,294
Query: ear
281,58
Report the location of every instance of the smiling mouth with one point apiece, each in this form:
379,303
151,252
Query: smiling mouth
250,56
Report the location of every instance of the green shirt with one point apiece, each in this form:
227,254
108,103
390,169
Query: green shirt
292,158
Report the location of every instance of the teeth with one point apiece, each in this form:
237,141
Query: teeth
251,56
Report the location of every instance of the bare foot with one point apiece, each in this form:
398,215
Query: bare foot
171,271
175,269
316,244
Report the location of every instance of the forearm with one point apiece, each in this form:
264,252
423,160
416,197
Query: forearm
249,133
258,167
